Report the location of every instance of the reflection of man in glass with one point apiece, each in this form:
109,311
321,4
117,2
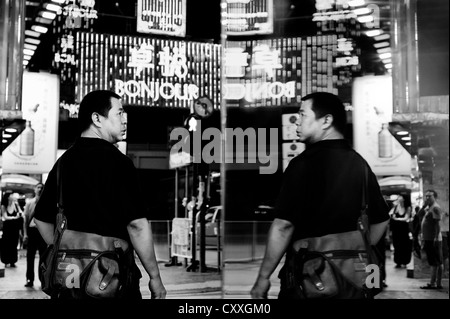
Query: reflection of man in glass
321,192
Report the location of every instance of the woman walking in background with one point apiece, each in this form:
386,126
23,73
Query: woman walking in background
12,225
399,226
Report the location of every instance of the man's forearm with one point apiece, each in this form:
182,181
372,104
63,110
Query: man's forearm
377,231
142,239
280,235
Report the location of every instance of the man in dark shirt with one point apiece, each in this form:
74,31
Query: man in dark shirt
100,187
322,188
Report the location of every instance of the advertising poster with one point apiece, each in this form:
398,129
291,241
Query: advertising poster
34,150
372,112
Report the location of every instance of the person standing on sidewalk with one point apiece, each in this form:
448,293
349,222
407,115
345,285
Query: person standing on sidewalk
432,237
32,239
102,192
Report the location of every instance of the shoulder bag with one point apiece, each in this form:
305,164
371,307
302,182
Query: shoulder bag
84,265
336,266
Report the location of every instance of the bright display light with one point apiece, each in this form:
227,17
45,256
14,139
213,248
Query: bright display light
356,3
402,133
406,138
43,20
365,19
385,55
374,33
59,1
381,44
25,62
383,50
28,51
362,11
26,57
388,66
39,28
382,37
10,130
386,61
52,7
32,41
30,46
47,15
32,33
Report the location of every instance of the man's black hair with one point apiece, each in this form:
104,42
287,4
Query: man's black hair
324,103
94,102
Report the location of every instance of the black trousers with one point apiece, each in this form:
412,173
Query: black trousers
35,244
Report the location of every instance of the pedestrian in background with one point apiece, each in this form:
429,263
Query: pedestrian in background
12,226
432,237
399,226
33,240
444,231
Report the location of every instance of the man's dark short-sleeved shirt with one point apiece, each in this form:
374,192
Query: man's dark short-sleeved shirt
322,191
101,191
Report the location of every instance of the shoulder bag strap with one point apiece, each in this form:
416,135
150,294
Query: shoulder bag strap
61,221
363,220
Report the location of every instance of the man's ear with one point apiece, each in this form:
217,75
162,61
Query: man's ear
328,121
95,117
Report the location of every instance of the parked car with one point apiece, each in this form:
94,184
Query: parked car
212,227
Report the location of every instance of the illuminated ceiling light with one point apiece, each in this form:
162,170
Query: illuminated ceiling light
26,57
408,143
402,133
4,141
383,50
32,33
406,138
362,11
59,1
10,130
386,61
25,62
385,55
356,3
30,46
43,20
365,19
382,37
52,7
39,28
32,41
47,14
388,66
5,135
381,44
28,52
374,33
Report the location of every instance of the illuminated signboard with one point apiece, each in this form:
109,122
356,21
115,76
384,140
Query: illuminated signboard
248,17
78,12
166,17
146,71
279,71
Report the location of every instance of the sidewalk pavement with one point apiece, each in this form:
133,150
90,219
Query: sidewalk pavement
238,279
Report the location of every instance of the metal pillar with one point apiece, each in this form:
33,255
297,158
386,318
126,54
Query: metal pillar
12,24
405,57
